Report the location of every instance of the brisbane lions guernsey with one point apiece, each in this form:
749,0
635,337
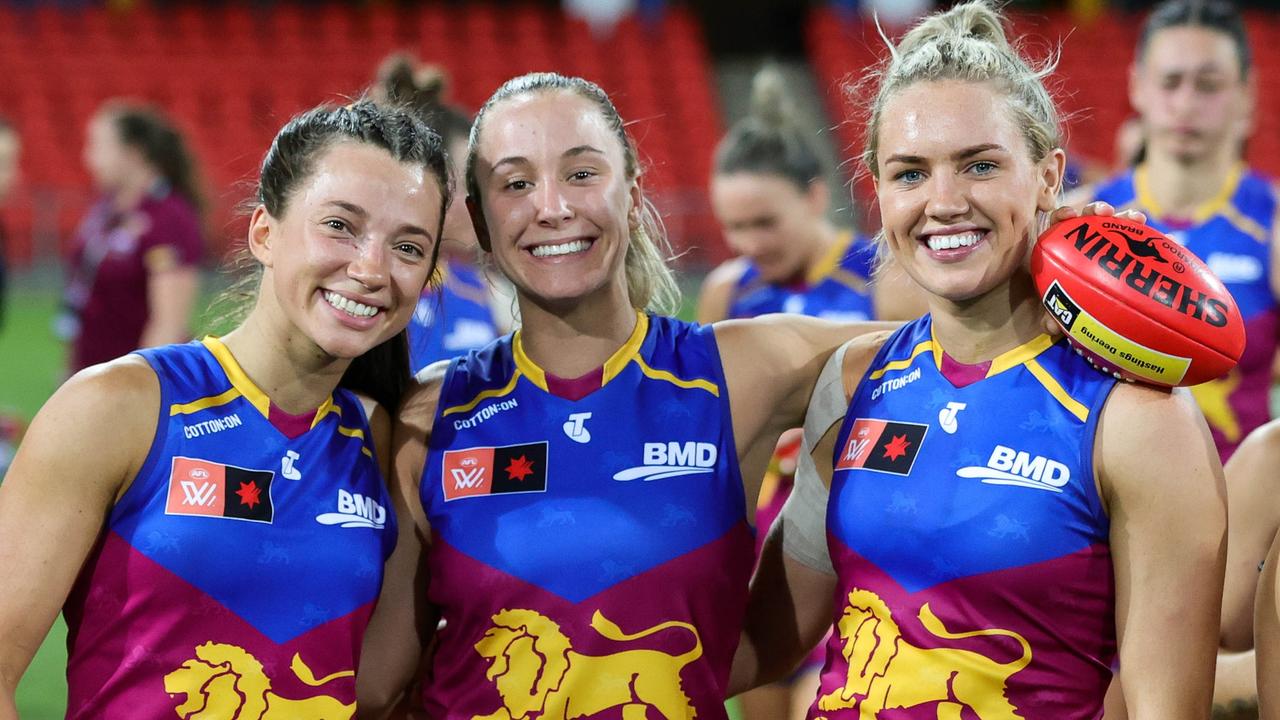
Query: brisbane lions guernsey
236,574
451,318
837,288
970,545
1232,234
589,557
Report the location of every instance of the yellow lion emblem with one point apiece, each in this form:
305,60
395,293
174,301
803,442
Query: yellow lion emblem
886,672
538,674
224,682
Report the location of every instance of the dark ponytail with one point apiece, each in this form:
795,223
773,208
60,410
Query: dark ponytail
151,133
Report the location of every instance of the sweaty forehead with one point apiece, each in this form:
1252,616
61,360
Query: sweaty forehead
543,126
937,118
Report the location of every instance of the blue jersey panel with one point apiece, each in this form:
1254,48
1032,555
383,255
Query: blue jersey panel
452,320
249,516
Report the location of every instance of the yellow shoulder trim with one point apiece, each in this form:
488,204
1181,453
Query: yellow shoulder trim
1206,210
1245,224
329,406
831,260
1073,406
1023,353
525,366
629,350
239,380
679,382
358,434
917,351
497,392
844,277
203,403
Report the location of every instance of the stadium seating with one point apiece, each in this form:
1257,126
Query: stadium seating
231,74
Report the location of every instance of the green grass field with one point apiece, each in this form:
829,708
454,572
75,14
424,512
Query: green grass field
31,366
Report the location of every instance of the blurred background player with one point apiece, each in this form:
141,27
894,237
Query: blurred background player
1192,83
10,149
216,538
133,274
459,310
769,194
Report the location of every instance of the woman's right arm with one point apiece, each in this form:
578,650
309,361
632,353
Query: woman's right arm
403,621
83,447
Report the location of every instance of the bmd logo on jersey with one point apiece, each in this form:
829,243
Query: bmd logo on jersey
204,488
494,470
672,459
355,510
881,445
1014,467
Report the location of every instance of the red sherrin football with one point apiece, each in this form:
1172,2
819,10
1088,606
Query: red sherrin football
1135,303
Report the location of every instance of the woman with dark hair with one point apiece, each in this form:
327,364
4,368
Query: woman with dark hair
133,275
457,312
212,517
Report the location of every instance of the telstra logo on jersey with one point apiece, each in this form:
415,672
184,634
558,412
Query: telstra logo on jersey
1014,467
355,510
672,459
947,416
575,427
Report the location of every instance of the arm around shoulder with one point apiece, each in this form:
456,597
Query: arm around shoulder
1163,486
83,448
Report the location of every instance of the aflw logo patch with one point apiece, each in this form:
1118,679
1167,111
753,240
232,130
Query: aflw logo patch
201,487
1013,467
495,470
881,445
672,459
355,510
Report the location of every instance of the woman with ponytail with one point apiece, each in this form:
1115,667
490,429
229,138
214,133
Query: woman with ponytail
770,195
1001,520
134,270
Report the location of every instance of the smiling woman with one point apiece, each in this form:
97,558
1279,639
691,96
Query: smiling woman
217,526
582,483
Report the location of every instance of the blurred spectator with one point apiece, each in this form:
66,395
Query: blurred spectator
133,274
10,147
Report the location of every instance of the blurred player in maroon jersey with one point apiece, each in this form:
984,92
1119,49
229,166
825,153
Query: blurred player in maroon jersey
133,276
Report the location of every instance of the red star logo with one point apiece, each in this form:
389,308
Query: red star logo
249,494
520,468
897,447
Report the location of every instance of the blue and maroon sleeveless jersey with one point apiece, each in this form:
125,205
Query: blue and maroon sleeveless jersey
239,568
1232,234
589,557
836,290
451,319
970,545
